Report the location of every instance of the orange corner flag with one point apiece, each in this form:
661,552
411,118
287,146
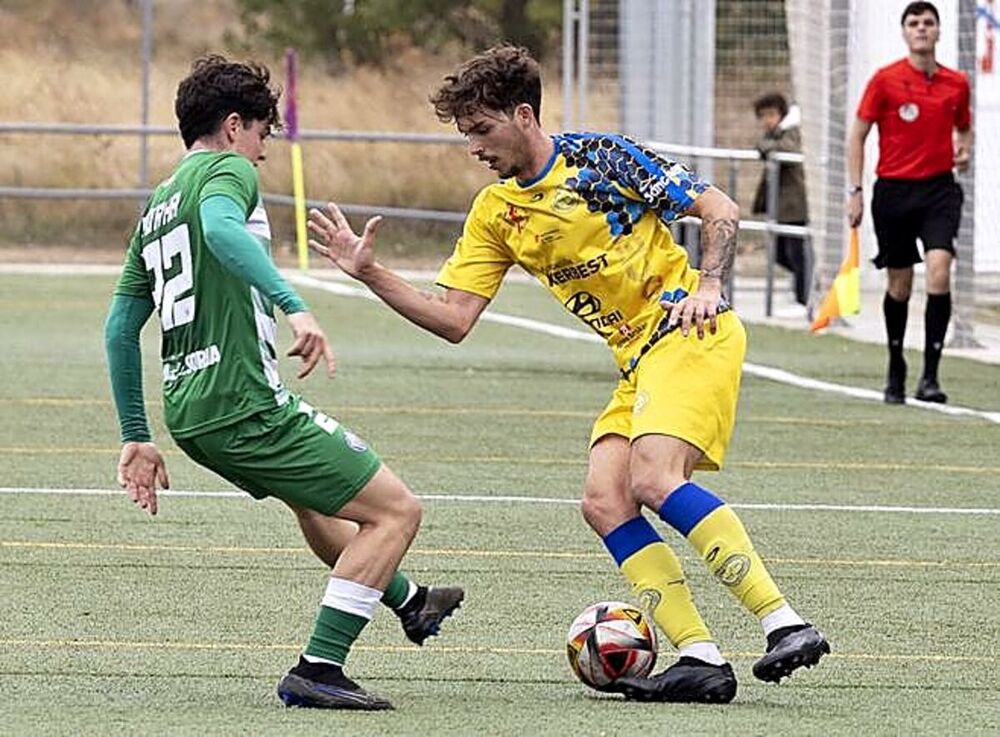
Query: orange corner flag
844,297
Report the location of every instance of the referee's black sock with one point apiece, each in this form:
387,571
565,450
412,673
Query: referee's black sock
936,317
895,328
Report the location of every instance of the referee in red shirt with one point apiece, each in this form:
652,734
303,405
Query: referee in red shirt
925,129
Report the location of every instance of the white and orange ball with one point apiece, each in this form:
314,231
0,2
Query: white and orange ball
608,641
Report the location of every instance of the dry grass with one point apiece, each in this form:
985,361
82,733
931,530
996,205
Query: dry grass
71,61
80,62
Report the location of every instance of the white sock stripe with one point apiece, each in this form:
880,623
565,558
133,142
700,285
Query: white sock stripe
317,659
353,598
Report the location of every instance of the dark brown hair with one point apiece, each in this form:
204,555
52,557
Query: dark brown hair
499,79
773,101
919,8
217,87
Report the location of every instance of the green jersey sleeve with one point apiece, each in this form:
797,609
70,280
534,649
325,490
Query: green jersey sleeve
134,279
121,341
235,177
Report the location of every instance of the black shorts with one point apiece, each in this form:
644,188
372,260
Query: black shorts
904,210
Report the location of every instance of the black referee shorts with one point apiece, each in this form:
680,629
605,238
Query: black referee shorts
905,209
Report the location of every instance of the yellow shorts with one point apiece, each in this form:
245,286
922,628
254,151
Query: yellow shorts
684,387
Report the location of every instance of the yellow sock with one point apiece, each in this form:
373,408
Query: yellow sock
724,545
658,584
657,580
722,542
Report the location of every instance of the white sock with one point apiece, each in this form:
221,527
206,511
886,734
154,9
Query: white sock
705,651
410,593
353,598
316,659
784,616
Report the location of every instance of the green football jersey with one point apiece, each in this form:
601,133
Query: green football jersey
218,332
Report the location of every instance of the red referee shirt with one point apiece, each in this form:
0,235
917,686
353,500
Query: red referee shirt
915,115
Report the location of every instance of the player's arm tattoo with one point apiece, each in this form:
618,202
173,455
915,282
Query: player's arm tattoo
718,246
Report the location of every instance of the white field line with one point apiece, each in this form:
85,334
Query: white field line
764,372
336,285
485,498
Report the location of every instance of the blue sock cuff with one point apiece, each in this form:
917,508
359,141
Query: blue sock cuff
629,538
688,505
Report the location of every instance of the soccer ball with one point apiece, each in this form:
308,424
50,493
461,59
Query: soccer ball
608,641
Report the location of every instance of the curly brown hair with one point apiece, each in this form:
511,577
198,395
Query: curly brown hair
500,79
217,87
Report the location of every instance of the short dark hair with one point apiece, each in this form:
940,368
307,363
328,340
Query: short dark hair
772,101
500,78
919,8
217,87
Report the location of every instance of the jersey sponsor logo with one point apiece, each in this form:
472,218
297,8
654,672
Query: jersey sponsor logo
628,333
582,270
584,305
654,186
909,111
516,217
733,569
565,200
649,599
549,237
587,307
160,215
193,362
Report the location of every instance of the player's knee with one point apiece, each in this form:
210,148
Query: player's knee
603,510
900,292
938,281
900,285
409,512
594,510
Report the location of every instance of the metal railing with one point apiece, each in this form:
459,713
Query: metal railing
733,158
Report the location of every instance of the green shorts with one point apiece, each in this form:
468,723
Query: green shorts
292,453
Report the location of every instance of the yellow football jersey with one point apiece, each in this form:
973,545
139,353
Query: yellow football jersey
592,227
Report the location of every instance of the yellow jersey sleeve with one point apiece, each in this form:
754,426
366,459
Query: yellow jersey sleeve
481,258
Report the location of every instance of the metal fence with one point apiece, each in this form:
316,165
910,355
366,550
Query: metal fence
732,159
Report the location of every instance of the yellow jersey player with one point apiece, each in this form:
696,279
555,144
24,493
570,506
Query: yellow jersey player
587,215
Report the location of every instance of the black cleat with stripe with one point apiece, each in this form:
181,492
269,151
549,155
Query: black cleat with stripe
324,686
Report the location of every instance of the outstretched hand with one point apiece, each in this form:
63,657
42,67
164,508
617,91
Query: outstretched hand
310,343
140,469
335,240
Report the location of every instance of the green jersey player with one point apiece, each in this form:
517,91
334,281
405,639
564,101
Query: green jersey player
199,258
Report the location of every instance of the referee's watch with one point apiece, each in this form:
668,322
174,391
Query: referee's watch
851,191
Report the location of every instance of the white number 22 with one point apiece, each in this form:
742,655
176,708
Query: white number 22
159,257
